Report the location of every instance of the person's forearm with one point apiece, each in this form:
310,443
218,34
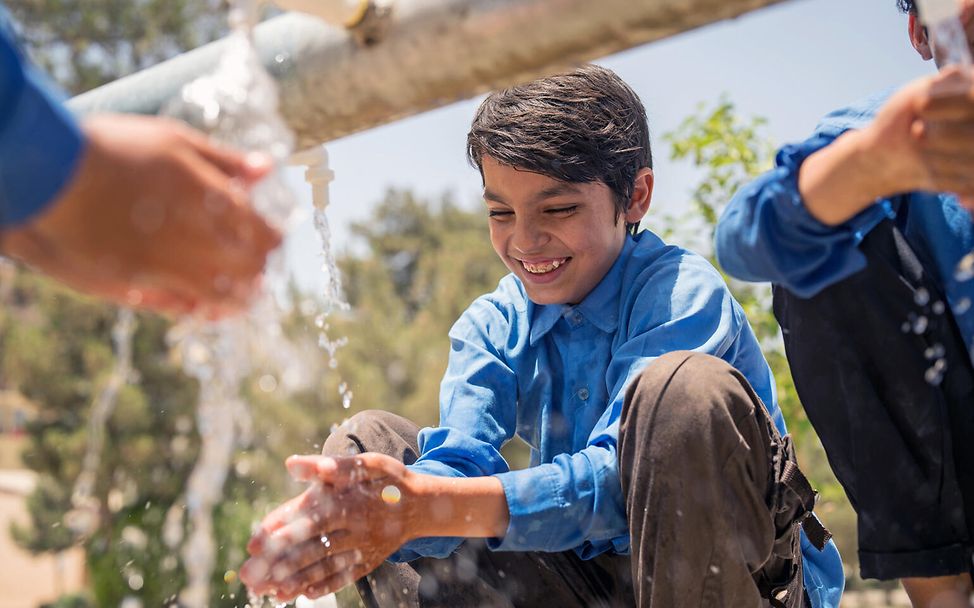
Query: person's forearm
842,179
474,507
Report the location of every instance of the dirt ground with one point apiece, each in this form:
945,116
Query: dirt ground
25,580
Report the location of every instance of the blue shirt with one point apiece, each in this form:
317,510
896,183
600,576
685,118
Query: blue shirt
557,375
766,233
40,142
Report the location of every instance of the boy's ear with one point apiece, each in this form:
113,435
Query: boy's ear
642,195
919,38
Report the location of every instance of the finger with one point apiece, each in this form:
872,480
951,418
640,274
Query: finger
309,552
252,166
311,468
276,519
332,573
312,516
348,470
947,137
335,583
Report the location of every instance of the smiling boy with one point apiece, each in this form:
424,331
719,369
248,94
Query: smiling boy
658,474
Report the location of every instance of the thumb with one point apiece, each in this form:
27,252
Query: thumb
311,468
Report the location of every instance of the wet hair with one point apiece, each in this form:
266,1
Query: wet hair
907,6
583,126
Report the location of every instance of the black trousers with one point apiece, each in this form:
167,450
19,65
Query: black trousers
711,522
886,381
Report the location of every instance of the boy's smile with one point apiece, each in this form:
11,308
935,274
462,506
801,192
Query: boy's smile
559,238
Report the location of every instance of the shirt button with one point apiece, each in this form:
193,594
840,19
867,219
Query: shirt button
583,394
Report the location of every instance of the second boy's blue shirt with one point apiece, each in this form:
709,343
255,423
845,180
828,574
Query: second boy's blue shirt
767,234
40,142
556,376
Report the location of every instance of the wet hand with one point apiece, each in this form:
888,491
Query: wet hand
353,516
157,217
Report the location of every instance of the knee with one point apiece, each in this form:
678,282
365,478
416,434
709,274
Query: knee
374,431
681,394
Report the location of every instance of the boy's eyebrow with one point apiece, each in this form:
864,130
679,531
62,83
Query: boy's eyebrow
551,192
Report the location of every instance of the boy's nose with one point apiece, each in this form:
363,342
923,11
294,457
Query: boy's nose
529,237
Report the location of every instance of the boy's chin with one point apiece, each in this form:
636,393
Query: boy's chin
542,297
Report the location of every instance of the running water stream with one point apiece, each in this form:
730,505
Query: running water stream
237,105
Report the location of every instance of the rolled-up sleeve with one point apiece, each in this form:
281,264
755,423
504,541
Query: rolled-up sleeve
40,142
767,234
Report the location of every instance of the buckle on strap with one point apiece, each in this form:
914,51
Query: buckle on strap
793,479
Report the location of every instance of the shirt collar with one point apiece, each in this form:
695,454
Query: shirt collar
599,306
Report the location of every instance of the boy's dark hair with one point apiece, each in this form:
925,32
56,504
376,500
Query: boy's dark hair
580,127
907,6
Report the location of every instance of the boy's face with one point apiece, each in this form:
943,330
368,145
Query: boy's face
559,238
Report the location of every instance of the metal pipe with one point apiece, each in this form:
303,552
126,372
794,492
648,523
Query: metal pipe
335,82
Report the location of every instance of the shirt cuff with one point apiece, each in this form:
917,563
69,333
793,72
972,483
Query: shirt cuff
531,495
40,145
789,161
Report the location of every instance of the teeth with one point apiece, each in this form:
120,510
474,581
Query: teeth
542,268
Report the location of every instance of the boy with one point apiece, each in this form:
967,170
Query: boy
658,477
863,252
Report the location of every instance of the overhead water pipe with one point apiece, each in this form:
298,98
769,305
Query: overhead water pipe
419,54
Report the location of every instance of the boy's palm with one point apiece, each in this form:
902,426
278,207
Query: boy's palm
342,527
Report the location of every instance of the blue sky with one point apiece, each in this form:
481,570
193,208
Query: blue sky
790,63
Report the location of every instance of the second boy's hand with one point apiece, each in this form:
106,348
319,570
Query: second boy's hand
341,528
922,139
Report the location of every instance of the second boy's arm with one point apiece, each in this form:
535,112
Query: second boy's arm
799,224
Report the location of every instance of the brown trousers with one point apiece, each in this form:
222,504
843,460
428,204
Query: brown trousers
699,462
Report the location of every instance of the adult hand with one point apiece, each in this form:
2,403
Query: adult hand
156,217
353,516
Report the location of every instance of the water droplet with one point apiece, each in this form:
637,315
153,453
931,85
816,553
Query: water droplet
229,576
933,377
965,268
920,325
938,307
267,383
905,328
934,352
963,305
391,495
921,297
135,582
320,321
325,541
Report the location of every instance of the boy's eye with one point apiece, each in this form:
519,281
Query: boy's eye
570,209
498,213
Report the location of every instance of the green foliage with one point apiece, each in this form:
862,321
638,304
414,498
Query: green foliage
426,262
54,348
86,43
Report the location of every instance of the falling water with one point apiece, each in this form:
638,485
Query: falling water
237,106
84,516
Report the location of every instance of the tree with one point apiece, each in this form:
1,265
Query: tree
426,263
86,43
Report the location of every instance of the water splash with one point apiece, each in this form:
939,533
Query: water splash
85,515
237,105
